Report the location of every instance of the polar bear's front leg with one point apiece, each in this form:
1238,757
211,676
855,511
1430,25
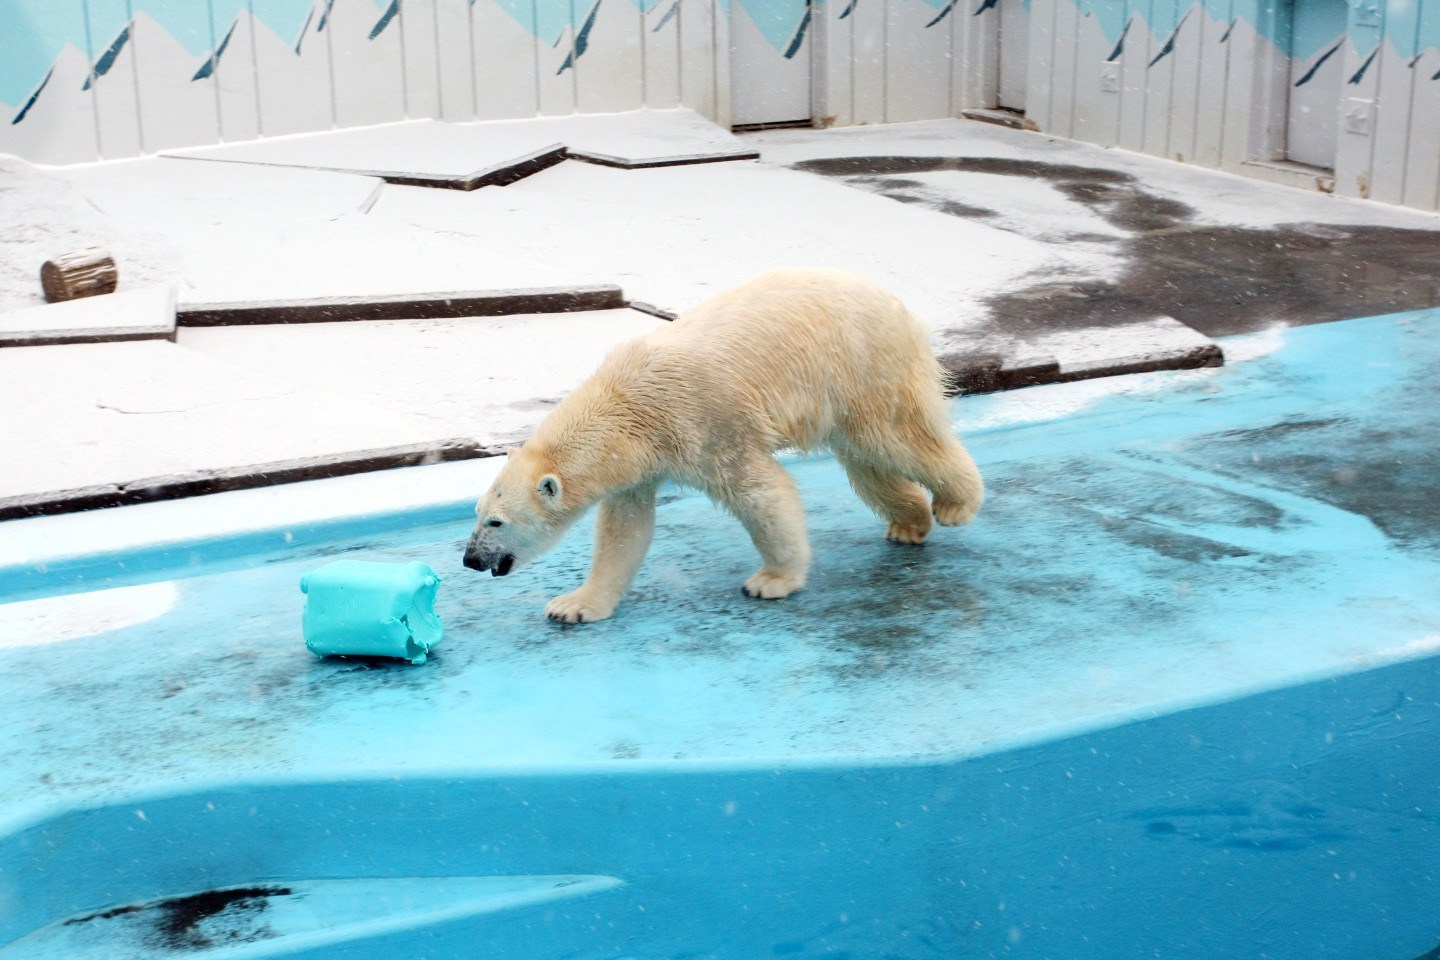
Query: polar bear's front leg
624,525
769,506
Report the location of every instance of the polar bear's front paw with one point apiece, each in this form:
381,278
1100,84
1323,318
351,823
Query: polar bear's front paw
955,514
769,585
908,532
579,607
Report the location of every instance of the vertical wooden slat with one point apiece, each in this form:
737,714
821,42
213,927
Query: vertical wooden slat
1393,98
916,62
1040,74
234,74
1160,70
1185,83
661,38
975,66
1132,61
700,52
455,60
556,80
420,57
1241,80
610,77
1422,181
834,83
365,62
1422,164
868,56
506,59
1353,155
296,92
1267,104
1063,68
1214,75
720,60
117,101
175,91
1096,110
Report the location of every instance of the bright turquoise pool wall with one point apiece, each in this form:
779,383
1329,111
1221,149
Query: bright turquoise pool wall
1210,82
1186,836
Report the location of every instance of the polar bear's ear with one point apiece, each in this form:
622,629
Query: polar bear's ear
549,487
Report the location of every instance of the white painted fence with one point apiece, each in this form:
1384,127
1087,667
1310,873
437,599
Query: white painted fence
1313,92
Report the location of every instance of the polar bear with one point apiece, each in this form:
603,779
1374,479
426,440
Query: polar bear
800,358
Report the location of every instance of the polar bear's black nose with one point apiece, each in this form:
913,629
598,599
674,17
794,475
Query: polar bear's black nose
474,561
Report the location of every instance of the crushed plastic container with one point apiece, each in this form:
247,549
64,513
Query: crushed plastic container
364,608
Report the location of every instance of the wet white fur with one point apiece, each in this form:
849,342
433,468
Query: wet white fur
801,359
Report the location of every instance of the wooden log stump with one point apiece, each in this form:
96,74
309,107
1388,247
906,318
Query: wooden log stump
80,273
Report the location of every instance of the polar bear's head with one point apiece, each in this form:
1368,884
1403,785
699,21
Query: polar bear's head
523,514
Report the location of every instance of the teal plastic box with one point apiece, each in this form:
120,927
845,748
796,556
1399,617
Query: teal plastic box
363,608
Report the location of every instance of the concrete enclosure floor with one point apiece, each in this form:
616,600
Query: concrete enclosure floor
1193,633
1172,693
1029,258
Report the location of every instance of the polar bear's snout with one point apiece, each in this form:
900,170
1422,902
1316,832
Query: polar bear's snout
498,564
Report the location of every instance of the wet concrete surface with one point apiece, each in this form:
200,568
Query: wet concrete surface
1171,544
1218,279
1294,493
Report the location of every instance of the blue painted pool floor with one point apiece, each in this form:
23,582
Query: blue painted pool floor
1225,531
1191,539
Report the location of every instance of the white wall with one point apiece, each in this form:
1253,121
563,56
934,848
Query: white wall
1200,81
1213,83
138,76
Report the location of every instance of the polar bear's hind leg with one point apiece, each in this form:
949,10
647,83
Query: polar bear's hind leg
919,447
900,501
948,471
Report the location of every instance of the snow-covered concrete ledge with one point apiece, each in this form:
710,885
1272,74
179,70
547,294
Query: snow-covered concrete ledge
392,393
467,156
147,313
415,306
271,514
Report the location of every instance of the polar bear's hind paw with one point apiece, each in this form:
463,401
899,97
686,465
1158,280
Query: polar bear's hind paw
769,585
955,514
907,532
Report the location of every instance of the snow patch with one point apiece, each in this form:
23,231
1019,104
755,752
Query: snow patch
1253,346
36,623
45,216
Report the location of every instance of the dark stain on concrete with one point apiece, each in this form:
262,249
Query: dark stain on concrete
1226,280
1114,195
1218,279
1176,545
214,918
1389,477
104,915
198,921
